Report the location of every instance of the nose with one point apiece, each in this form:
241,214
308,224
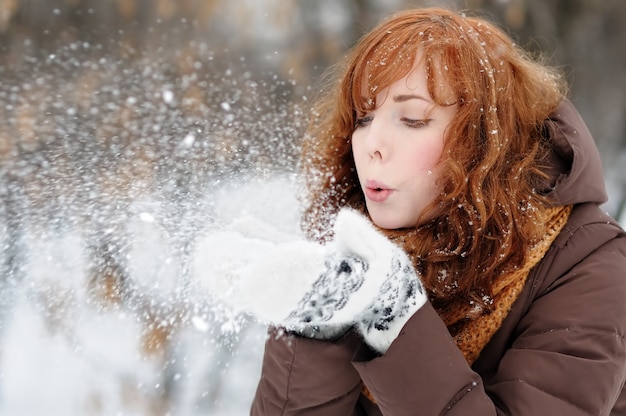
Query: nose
375,142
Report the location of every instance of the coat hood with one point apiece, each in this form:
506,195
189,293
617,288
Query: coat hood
575,168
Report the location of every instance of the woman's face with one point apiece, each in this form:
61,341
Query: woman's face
397,148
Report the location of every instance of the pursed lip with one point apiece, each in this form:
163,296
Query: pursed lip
377,191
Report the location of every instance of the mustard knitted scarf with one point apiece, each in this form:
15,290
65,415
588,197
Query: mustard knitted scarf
471,335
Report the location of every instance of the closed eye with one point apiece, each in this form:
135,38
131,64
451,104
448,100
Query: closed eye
416,124
363,121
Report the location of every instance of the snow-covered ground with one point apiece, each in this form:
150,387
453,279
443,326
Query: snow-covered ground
63,352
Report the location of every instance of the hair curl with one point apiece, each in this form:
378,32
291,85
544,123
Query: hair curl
490,209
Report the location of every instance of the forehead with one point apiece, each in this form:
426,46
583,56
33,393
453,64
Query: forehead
418,73
413,81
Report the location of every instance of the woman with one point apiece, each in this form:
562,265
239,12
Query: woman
483,186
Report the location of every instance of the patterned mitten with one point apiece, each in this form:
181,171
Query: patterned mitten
396,291
360,279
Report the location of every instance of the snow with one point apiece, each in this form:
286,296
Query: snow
64,352
121,183
167,184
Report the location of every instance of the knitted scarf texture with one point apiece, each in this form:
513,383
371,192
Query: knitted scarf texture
471,332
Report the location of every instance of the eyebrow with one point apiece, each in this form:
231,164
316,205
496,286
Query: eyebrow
406,97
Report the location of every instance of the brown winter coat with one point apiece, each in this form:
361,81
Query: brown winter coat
560,350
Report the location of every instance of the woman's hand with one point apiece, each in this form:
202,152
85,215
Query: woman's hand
360,280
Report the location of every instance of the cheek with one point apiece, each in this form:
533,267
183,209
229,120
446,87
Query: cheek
426,157
354,146
357,152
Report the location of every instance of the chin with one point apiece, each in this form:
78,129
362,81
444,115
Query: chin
391,219
390,222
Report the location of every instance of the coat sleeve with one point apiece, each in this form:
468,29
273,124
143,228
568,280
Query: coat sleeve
566,357
302,376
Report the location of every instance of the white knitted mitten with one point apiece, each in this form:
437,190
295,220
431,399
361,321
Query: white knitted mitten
360,279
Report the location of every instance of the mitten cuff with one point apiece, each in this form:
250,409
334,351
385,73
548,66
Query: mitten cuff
380,337
321,332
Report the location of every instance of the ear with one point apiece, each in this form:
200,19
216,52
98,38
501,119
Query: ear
356,234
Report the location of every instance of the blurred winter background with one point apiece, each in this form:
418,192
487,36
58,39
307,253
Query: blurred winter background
134,132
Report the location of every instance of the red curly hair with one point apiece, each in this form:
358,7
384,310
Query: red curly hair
490,209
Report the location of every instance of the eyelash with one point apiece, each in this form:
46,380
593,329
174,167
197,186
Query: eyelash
414,124
362,121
